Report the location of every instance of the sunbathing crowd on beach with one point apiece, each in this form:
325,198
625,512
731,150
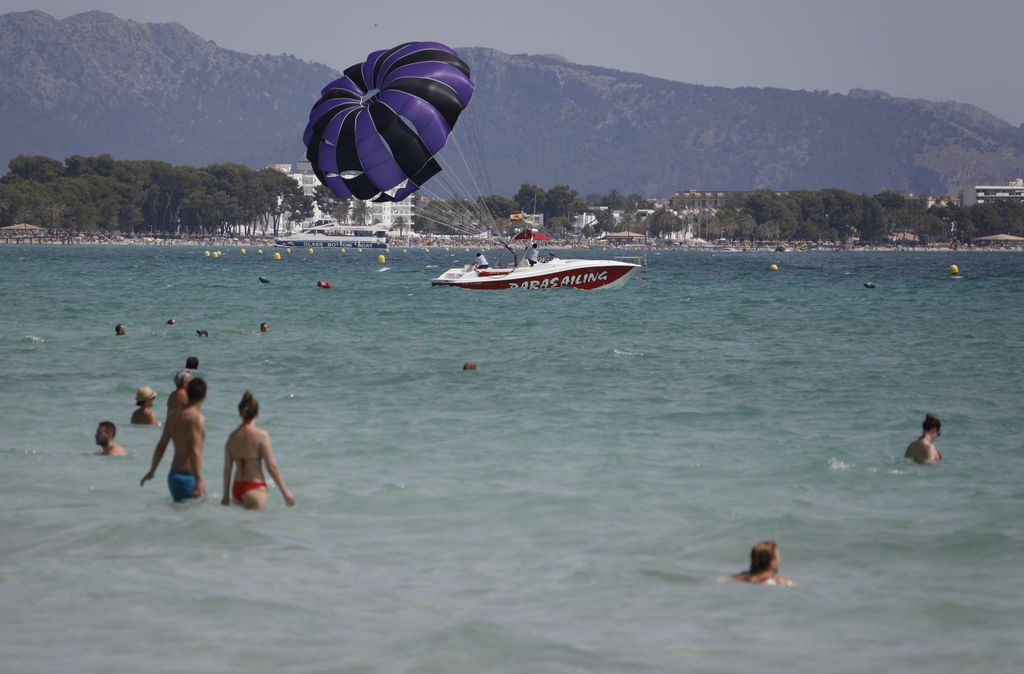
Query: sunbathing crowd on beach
248,450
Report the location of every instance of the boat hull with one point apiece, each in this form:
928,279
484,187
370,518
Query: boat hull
579,274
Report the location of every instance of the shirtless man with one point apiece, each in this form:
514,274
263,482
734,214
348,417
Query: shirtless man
249,446
187,429
178,399
764,566
105,433
144,415
923,449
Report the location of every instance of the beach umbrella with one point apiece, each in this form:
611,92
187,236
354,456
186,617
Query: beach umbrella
21,227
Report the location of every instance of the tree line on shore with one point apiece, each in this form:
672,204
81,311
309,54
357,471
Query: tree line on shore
90,194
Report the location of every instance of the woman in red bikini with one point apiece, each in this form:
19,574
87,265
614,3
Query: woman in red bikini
248,447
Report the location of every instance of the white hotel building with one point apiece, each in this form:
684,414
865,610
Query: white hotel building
384,215
1012,191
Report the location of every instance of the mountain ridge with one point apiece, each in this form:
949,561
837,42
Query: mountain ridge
93,83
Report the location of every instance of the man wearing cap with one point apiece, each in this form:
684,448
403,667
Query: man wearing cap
144,415
177,400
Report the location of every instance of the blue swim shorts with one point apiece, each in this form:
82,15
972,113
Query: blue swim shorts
181,485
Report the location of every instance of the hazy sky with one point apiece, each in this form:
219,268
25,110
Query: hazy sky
935,49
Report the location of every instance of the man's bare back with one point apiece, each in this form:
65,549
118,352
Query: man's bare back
187,430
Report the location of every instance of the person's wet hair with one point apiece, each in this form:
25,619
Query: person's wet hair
763,556
248,407
109,428
931,422
196,389
192,363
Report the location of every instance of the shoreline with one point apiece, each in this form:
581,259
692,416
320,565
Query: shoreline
488,244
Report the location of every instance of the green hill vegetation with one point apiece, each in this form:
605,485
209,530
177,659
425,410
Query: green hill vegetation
89,194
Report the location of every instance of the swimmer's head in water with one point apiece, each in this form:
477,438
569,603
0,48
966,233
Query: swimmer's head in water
119,329
182,378
264,327
171,321
931,422
196,390
105,432
192,363
248,407
764,557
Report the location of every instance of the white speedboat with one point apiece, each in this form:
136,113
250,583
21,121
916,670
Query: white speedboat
333,235
556,273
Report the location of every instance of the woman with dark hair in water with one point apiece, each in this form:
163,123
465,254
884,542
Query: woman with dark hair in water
923,449
248,448
764,566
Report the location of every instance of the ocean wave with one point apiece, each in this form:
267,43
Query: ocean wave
33,339
627,354
837,466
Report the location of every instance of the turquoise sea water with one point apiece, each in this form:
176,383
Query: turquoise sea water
568,507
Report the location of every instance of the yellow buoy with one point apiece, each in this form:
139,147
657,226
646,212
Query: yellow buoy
774,267
341,250
277,256
953,270
380,259
259,252
242,251
387,250
310,251
206,253
359,249
288,251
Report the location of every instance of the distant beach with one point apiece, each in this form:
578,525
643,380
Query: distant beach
62,238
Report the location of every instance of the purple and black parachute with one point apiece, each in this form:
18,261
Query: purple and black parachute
375,130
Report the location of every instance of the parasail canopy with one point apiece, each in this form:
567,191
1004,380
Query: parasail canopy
375,131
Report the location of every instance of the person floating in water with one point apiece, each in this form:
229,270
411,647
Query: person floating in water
264,326
187,429
105,432
119,330
481,261
144,398
192,363
923,449
764,566
248,447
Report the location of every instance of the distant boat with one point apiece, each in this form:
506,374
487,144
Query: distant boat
326,234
